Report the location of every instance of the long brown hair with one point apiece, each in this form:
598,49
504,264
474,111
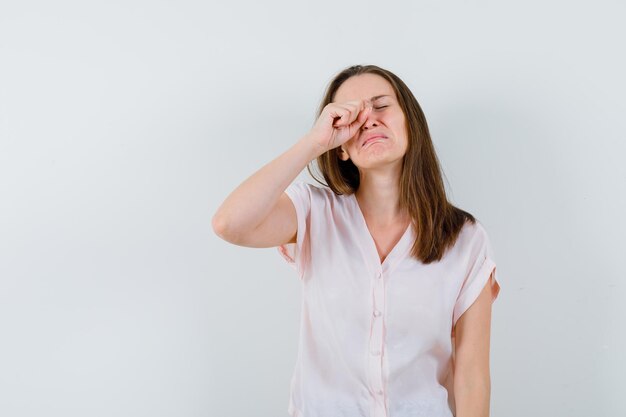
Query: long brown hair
434,219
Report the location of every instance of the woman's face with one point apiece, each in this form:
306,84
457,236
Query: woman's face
386,119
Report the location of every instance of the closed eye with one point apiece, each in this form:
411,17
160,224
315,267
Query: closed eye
380,107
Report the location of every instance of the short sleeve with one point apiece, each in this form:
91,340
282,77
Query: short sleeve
482,268
297,254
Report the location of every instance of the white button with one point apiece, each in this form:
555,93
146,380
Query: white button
376,352
380,275
377,313
380,392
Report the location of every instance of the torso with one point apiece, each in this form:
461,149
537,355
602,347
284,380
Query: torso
387,238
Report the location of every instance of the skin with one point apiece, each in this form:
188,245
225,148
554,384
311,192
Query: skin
472,382
379,166
379,163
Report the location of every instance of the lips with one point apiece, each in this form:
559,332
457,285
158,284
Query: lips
373,137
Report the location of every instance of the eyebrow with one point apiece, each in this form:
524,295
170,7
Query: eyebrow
380,96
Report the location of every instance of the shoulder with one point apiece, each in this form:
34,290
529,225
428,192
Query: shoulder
471,232
316,192
304,185
472,239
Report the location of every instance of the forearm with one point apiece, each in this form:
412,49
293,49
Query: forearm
248,204
472,399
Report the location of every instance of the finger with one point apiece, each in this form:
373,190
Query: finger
344,115
362,118
353,108
356,104
359,106
337,114
339,117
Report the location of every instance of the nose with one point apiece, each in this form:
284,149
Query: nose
370,121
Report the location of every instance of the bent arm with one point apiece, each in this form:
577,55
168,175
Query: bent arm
248,205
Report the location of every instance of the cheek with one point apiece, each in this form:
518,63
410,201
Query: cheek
399,124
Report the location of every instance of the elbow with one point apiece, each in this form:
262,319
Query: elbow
220,226
472,397
480,383
225,230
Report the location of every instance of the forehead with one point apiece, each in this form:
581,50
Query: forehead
363,87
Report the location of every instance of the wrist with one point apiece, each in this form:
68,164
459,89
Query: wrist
312,148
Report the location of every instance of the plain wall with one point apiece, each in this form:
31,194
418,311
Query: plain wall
125,124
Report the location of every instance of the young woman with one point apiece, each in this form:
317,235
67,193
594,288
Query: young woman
397,282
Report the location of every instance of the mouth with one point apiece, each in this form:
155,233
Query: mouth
376,138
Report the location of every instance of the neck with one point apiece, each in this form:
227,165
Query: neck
379,200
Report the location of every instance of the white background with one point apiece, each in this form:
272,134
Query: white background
124,125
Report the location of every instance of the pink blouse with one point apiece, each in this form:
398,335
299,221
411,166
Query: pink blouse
376,339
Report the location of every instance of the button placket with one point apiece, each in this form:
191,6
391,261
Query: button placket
377,347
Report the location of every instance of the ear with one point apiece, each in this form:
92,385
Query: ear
343,155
